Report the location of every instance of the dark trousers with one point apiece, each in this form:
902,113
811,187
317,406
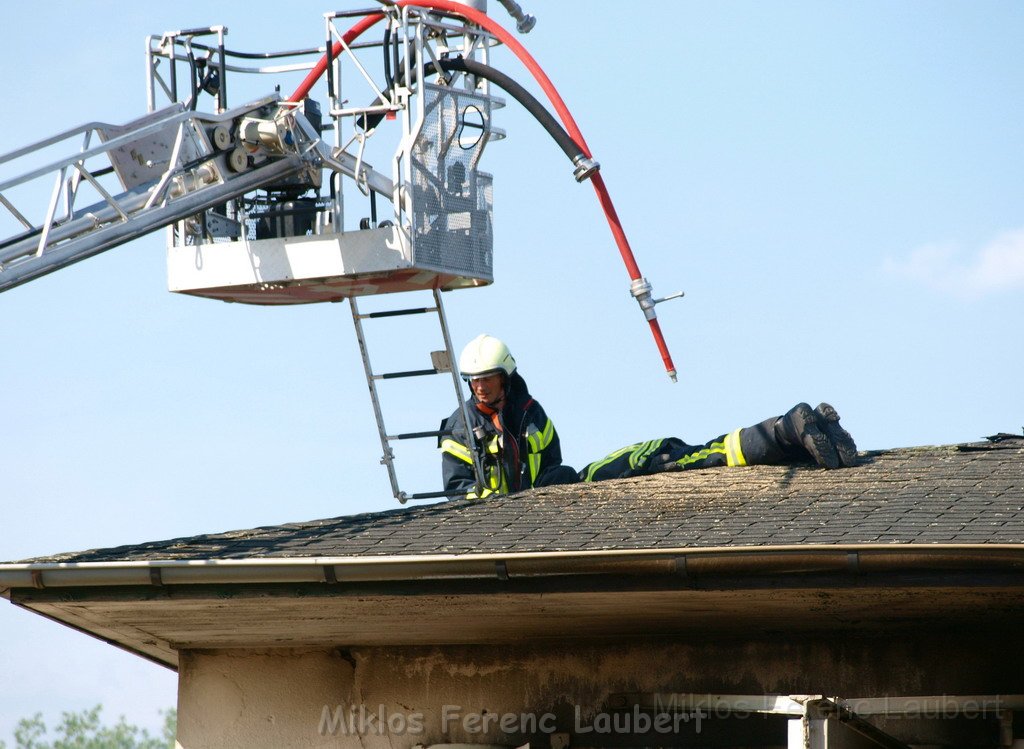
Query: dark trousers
755,445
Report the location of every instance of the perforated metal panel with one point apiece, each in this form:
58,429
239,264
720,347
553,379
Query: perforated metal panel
452,200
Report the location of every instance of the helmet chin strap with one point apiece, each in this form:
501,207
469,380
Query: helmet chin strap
506,390
497,403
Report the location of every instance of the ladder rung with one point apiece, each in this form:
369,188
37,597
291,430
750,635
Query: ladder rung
420,435
410,373
397,312
435,495
442,362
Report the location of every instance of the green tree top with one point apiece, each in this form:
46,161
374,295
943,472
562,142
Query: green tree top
83,731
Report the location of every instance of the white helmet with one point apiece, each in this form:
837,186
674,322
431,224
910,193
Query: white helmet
485,355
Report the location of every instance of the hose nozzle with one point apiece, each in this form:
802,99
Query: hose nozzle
641,290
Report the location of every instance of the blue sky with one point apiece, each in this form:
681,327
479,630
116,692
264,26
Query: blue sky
837,188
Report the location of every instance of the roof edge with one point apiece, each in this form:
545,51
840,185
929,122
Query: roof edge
852,558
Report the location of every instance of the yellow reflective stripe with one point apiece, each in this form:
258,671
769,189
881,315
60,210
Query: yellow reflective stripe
595,467
456,450
496,484
734,450
642,452
533,440
496,478
533,459
539,439
495,475
713,449
547,434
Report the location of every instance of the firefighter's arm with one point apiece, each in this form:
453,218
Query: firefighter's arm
544,448
457,471
457,466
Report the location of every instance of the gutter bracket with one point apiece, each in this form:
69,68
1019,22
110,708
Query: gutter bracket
680,566
853,562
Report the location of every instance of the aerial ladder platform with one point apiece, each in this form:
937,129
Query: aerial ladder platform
254,197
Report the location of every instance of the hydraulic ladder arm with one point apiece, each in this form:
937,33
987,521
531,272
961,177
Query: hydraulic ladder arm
148,174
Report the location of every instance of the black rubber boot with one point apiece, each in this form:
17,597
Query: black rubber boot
828,420
798,428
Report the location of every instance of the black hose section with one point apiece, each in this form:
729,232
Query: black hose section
392,70
193,79
386,47
251,55
524,97
516,91
396,54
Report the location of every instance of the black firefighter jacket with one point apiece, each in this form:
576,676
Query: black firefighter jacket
520,447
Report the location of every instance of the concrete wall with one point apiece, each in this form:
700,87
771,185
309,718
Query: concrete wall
392,698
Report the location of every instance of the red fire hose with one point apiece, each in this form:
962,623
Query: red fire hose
484,21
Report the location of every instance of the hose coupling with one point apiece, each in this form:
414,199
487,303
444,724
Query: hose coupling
586,167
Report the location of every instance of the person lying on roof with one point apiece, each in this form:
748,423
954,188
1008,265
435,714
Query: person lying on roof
520,448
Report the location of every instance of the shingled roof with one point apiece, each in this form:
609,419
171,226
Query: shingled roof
920,537
962,494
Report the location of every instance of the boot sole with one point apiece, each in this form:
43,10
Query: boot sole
816,442
845,447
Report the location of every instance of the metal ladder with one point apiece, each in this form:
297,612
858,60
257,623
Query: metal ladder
442,361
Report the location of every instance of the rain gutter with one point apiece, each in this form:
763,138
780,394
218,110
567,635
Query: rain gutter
685,561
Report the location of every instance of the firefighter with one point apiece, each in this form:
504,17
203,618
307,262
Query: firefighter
518,442
520,448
